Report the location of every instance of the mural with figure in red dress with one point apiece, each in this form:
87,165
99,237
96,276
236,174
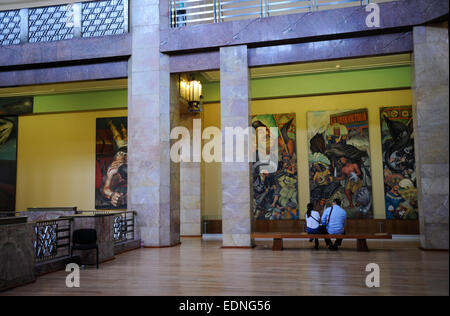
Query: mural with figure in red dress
111,163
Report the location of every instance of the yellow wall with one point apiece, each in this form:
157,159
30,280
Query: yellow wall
211,195
56,159
370,100
56,152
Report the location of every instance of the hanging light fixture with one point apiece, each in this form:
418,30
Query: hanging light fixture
191,91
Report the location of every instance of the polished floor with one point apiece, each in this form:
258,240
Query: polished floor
202,268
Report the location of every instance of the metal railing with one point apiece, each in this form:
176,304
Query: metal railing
123,223
190,12
124,227
52,239
63,22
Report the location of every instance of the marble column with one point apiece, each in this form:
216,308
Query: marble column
153,180
431,114
190,199
190,182
237,220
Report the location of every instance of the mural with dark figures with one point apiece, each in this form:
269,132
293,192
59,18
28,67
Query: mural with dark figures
339,161
397,136
8,162
16,106
275,193
111,163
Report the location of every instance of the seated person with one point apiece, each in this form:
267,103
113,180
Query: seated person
334,218
312,223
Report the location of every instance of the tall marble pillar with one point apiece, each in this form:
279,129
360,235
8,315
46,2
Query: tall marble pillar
235,112
190,182
153,180
431,115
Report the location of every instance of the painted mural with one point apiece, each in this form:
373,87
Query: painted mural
275,194
16,106
339,161
397,135
111,163
8,162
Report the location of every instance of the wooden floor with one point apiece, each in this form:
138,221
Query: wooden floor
202,268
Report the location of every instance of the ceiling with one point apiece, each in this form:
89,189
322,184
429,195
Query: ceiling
320,67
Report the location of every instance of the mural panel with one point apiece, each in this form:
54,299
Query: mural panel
111,163
397,135
16,106
275,194
8,162
339,161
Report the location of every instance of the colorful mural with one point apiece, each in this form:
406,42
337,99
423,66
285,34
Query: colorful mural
275,193
111,163
339,161
8,162
397,134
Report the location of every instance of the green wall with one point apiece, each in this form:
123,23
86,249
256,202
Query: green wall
277,87
83,101
323,83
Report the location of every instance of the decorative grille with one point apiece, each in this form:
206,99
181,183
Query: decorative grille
46,240
120,228
9,27
52,239
50,24
100,18
64,22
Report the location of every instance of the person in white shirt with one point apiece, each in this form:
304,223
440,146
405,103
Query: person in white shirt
312,223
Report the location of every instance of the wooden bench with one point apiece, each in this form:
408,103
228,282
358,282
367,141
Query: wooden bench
361,240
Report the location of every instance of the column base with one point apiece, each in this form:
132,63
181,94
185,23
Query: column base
237,241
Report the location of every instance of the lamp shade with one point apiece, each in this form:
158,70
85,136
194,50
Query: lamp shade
191,90
195,91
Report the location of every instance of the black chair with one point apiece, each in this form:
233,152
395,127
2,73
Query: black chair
84,239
